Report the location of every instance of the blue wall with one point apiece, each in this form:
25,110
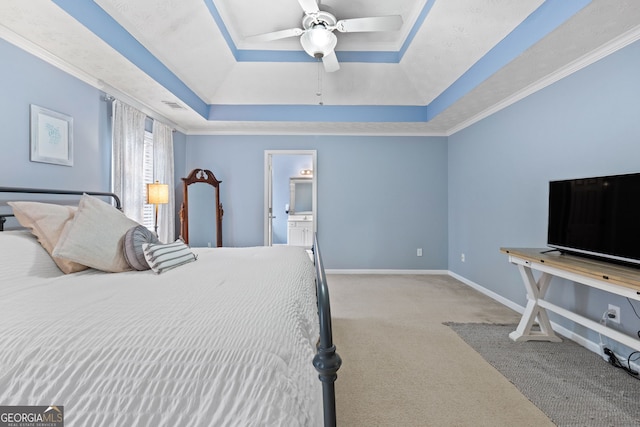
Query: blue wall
26,80
587,124
372,213
379,198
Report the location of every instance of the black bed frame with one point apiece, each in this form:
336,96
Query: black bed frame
326,361
3,217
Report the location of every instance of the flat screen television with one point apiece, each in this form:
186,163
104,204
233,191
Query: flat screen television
596,217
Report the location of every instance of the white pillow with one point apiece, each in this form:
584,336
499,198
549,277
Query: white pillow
165,256
46,221
94,236
23,261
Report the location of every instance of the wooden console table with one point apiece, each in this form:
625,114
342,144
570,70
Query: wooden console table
609,277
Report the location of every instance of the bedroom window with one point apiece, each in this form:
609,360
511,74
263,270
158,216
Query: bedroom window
142,153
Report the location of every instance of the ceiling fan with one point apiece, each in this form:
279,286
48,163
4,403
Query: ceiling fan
316,34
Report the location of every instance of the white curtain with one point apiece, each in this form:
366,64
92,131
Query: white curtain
128,159
163,171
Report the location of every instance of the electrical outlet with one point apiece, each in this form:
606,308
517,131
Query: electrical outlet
615,318
462,257
419,252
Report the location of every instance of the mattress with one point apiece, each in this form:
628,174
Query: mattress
227,340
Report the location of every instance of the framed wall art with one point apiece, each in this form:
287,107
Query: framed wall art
51,137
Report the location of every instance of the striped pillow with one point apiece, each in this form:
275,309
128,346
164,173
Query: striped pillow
132,245
162,257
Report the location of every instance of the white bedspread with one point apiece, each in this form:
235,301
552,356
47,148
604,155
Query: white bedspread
225,341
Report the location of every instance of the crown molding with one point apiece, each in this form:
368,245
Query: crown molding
605,50
62,65
46,56
283,131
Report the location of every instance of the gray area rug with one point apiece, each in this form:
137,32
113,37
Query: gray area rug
570,384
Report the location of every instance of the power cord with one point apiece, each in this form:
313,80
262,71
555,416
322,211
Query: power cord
603,321
611,357
614,361
634,310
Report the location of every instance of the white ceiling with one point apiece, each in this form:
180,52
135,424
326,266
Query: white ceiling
451,63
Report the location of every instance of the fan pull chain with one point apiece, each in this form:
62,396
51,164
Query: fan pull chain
319,91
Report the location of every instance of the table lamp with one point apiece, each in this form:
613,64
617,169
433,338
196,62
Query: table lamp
157,194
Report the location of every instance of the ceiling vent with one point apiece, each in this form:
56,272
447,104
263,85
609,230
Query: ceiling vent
173,105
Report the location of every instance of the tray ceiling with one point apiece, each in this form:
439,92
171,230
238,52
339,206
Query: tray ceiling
189,62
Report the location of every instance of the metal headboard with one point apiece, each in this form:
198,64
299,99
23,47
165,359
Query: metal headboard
3,217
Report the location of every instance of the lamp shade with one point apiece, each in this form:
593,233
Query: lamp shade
157,194
318,41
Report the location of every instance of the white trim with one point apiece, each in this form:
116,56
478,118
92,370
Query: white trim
502,300
313,131
46,56
580,63
148,111
586,60
62,65
561,330
380,271
579,339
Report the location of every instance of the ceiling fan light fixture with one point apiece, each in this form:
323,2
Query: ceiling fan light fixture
318,41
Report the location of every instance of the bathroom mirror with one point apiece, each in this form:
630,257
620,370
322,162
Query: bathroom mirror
300,196
201,211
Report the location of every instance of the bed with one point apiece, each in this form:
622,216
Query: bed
236,337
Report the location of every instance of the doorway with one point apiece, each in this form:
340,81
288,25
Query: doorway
288,172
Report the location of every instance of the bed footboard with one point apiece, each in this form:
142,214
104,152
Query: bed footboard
326,361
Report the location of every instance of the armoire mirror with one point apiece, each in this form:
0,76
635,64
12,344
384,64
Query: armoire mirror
201,211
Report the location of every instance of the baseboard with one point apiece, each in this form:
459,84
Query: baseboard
559,329
590,345
502,300
381,271
467,282
579,339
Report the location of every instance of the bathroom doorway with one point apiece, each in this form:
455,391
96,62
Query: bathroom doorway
290,197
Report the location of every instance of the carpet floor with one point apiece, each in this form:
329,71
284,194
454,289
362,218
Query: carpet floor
403,367
571,384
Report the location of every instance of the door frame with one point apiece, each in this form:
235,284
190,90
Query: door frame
268,189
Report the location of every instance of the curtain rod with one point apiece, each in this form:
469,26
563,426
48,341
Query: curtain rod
111,98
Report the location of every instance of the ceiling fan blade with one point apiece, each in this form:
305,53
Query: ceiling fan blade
309,6
276,35
380,23
330,62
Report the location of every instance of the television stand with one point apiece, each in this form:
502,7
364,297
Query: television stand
609,277
546,251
